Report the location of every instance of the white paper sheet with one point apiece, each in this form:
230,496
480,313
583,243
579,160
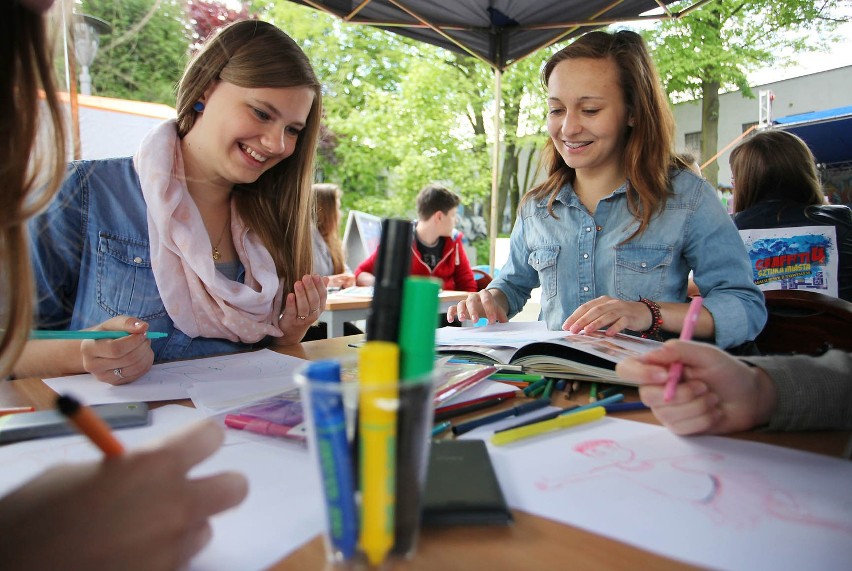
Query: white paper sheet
512,334
711,501
282,511
171,381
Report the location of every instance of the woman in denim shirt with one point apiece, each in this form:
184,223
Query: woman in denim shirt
205,234
613,232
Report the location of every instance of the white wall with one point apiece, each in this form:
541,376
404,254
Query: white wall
815,92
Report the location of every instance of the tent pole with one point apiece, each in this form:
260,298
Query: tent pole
495,170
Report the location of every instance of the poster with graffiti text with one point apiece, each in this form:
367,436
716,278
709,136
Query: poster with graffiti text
803,257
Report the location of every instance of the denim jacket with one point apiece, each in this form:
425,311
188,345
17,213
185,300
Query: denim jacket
579,257
92,260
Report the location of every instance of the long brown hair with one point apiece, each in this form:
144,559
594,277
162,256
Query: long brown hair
649,149
774,165
30,114
251,54
328,222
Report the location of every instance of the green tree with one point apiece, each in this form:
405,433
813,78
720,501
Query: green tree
716,47
144,55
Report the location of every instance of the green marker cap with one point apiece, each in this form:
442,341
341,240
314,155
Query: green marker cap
417,326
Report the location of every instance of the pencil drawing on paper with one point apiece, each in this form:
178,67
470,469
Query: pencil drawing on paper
727,495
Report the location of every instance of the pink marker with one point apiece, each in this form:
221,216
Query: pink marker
685,335
261,426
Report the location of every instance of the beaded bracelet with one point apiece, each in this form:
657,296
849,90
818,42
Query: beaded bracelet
652,332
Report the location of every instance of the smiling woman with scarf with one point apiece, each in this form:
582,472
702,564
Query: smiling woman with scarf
204,234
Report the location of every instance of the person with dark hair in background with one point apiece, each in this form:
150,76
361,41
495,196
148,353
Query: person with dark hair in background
437,250
776,185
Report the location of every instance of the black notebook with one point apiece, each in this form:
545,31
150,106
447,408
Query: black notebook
461,486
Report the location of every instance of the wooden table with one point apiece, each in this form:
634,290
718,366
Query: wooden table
530,543
340,309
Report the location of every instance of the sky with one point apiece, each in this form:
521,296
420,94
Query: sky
811,62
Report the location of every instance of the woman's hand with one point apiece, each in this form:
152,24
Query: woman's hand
615,314
484,303
141,509
718,394
302,308
118,361
341,280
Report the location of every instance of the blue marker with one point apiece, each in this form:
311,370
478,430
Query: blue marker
334,456
529,406
625,406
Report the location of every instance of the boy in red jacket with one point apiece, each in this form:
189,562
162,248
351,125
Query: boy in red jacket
437,250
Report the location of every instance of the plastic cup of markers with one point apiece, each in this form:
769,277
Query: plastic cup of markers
369,516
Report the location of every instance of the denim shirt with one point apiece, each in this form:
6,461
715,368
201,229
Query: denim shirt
92,259
579,257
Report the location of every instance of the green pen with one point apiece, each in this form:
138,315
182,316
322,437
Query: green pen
516,377
42,334
533,387
548,389
593,392
440,428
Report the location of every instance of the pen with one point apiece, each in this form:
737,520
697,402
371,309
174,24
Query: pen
42,334
417,325
16,410
440,427
542,427
260,426
516,377
676,369
90,424
593,392
378,366
441,414
534,386
514,411
566,411
625,406
329,420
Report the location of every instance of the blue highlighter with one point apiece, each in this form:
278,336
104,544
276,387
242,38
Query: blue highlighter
334,456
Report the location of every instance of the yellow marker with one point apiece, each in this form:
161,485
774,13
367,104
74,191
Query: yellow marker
563,421
378,368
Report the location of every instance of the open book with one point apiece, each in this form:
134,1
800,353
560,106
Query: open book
558,354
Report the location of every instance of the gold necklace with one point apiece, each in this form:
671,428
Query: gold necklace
216,253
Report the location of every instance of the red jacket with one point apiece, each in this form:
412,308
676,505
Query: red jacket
453,269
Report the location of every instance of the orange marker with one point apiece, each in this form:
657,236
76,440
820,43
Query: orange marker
91,425
15,410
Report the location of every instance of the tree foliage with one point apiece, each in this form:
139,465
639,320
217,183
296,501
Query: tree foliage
716,47
144,55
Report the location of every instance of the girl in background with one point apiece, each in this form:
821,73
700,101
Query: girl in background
329,258
776,185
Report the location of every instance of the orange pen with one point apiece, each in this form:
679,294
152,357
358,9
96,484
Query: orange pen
15,410
91,425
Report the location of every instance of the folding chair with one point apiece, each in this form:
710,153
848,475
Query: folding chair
806,322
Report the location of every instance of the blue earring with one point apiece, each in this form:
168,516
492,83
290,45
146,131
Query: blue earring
198,107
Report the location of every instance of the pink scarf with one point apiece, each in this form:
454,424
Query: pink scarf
201,301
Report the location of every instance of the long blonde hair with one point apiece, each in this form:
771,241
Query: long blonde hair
649,150
27,183
252,54
328,222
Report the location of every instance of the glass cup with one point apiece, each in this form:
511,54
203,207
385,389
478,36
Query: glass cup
371,443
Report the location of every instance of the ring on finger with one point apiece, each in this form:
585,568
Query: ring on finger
117,373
